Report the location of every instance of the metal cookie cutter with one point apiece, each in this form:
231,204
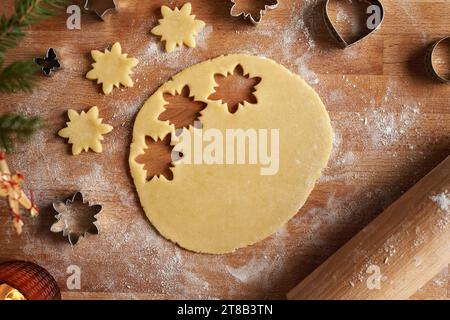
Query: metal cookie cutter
235,12
76,218
429,61
336,35
49,63
100,7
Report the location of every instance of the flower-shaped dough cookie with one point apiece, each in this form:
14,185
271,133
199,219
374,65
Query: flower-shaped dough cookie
112,68
178,26
85,130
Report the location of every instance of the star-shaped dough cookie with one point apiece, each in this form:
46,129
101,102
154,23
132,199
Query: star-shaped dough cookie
85,130
112,68
178,26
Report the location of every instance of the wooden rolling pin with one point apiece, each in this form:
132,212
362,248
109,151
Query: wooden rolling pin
395,255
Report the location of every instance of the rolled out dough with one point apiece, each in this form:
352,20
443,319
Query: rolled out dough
220,208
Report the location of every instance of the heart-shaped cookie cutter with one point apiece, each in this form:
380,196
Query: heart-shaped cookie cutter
429,61
335,33
270,5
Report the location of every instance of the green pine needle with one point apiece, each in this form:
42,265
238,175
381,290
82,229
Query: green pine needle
20,75
27,12
16,126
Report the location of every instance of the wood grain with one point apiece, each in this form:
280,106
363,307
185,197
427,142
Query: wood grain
392,125
157,159
402,249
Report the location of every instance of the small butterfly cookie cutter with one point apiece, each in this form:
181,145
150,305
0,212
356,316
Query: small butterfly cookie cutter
76,217
270,5
430,61
49,63
373,5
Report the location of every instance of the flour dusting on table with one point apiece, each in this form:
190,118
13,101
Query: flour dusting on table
382,124
442,200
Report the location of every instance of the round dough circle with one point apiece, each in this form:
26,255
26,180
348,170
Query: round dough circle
220,208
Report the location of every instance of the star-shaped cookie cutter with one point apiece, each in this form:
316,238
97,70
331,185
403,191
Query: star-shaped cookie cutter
100,7
270,5
76,222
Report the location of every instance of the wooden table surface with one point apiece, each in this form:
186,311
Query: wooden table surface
392,125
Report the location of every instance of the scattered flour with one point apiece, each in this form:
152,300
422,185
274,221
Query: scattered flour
251,271
442,200
440,283
348,159
127,239
420,237
387,127
303,69
203,36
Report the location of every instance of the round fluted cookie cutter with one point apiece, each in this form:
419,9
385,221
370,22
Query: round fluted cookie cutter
429,61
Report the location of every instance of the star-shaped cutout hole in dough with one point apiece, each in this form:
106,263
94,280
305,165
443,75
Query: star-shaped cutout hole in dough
158,158
234,89
112,68
178,26
181,110
85,130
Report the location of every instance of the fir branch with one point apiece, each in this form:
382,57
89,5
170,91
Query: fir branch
16,126
27,12
19,75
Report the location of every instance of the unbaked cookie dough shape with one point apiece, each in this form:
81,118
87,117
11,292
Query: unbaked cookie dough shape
178,26
220,208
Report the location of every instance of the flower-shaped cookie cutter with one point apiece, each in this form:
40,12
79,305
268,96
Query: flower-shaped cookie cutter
76,218
236,12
